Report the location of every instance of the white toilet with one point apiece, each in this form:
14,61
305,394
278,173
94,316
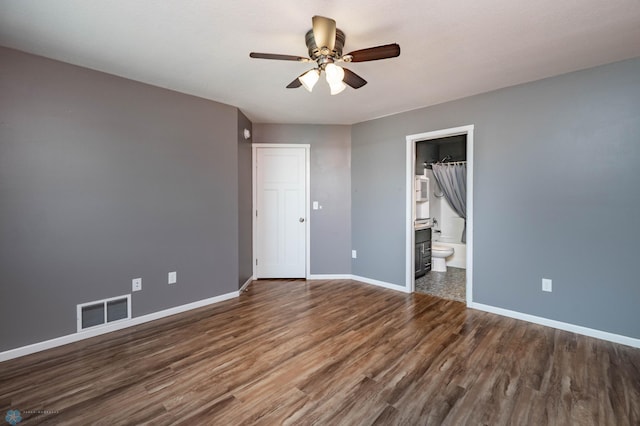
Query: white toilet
439,255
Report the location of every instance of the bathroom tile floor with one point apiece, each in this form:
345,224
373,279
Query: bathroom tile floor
449,285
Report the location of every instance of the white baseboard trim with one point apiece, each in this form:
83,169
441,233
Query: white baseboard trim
358,278
330,277
70,338
246,284
380,283
598,334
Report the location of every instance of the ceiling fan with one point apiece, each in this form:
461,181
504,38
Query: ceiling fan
325,43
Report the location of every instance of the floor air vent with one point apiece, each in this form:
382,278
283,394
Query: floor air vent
102,312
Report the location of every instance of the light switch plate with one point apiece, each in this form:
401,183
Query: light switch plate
546,285
173,277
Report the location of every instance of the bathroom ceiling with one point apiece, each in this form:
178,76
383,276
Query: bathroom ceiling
450,49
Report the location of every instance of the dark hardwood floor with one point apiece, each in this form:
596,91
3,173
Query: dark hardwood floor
329,352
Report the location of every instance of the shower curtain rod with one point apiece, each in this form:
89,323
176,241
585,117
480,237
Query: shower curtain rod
448,162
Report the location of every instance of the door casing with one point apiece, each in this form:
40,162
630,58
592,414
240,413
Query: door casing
254,186
411,141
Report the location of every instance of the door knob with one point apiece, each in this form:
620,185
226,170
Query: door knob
301,219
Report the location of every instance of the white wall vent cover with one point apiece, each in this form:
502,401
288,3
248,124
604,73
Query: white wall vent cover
102,312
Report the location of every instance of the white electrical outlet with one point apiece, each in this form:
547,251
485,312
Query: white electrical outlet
546,285
354,254
173,277
136,284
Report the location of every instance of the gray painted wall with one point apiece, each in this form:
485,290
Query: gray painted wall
556,195
330,176
102,180
245,202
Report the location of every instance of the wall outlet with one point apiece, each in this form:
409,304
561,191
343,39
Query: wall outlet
354,254
173,277
546,284
136,284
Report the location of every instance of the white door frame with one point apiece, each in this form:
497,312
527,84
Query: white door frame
410,197
254,186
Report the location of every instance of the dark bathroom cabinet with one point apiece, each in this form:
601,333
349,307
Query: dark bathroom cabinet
423,252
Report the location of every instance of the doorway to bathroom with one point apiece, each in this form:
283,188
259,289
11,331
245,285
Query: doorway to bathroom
439,228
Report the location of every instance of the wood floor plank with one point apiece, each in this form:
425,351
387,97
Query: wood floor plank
329,352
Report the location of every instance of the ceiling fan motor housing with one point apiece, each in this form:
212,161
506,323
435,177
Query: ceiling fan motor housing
325,56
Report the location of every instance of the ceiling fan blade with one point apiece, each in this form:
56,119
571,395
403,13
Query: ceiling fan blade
352,79
324,32
375,53
278,57
295,83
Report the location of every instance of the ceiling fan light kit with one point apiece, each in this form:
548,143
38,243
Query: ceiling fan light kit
325,42
336,88
334,73
335,77
310,78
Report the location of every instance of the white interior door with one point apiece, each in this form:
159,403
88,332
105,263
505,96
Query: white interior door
281,223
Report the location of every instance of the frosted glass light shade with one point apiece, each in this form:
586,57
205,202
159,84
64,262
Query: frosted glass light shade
337,87
309,79
335,74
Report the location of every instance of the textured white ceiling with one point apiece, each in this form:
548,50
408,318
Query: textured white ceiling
450,48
